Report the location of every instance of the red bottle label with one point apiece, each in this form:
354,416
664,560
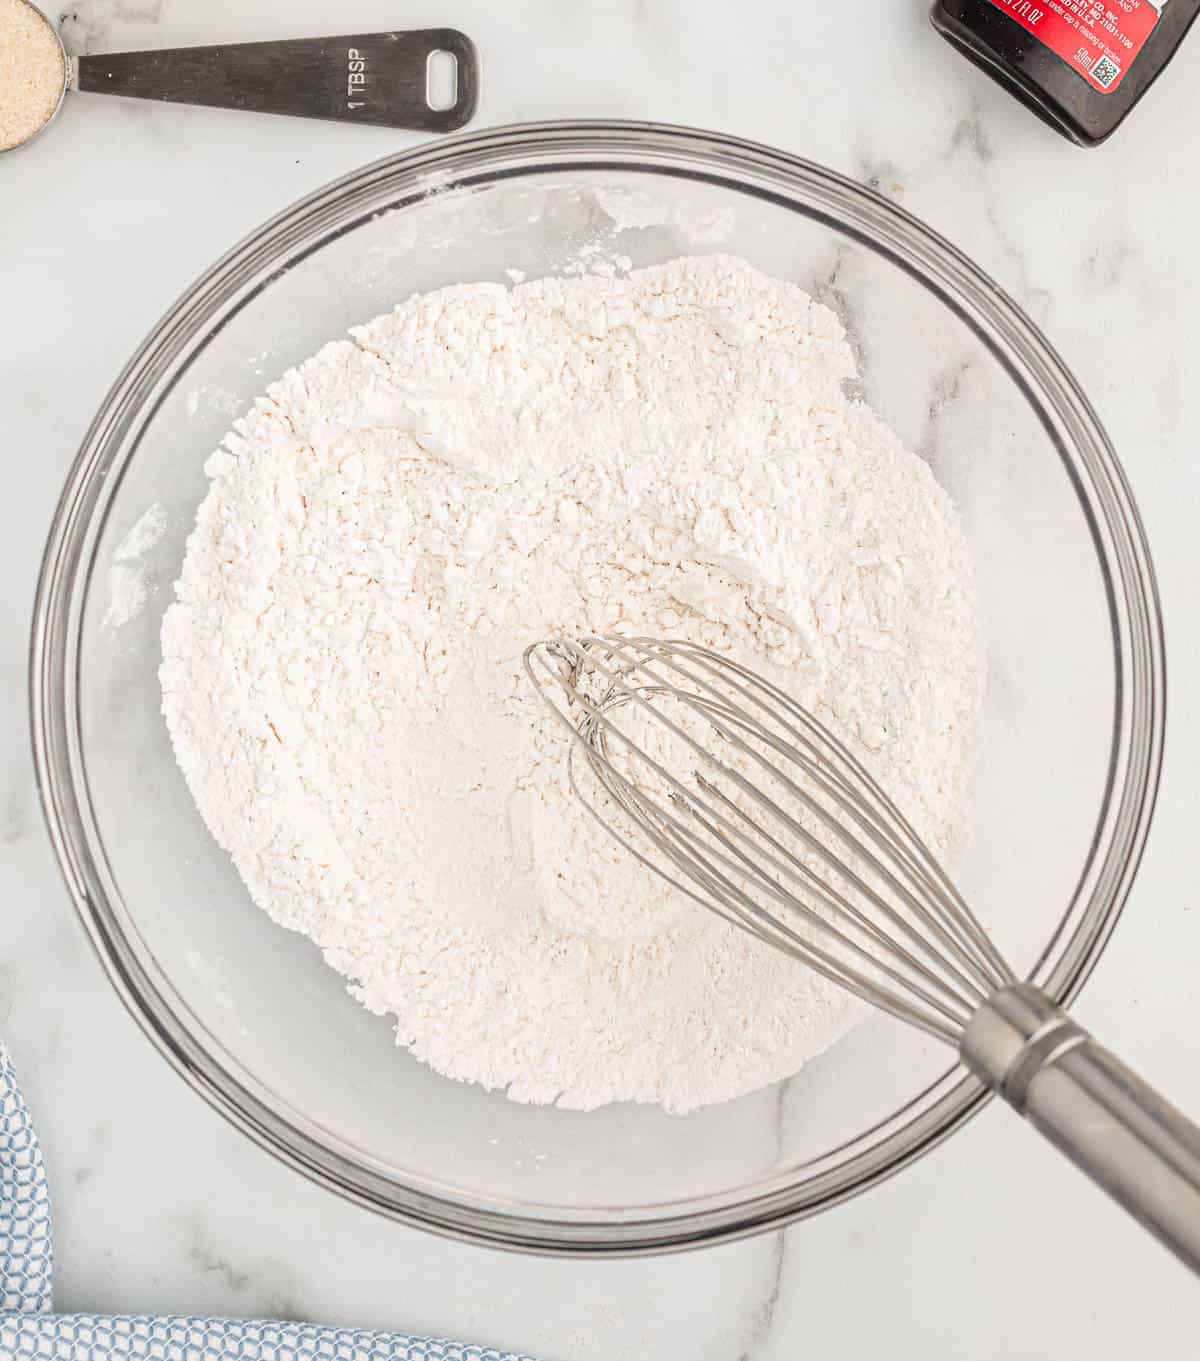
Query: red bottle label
1099,38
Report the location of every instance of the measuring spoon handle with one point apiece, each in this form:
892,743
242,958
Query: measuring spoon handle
374,78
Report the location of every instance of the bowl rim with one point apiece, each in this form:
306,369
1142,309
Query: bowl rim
852,210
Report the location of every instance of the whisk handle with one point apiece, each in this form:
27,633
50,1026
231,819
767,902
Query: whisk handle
1132,1143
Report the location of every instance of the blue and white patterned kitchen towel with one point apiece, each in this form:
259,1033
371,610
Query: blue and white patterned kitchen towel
30,1332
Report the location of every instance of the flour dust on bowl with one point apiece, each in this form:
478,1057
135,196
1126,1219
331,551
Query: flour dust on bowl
1066,760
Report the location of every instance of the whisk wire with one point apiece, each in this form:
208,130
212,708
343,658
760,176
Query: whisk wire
727,898
964,951
729,901
882,821
949,1007
727,860
792,868
856,849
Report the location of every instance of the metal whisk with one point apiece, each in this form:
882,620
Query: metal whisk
723,785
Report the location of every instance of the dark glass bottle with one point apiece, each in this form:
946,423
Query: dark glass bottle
1079,64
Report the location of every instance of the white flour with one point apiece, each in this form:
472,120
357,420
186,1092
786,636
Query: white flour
128,588
669,451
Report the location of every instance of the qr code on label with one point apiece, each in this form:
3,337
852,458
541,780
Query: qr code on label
1105,71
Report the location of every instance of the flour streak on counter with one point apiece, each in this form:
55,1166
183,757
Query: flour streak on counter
669,451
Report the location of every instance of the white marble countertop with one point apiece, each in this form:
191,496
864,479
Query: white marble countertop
990,1247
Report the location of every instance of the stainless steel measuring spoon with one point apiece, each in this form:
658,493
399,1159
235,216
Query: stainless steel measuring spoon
383,79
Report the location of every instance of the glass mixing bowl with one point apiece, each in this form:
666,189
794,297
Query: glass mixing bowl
1069,750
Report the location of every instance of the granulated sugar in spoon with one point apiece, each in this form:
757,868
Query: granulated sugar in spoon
424,80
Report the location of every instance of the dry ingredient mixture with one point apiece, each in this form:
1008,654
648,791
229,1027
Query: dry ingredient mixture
31,72
671,451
